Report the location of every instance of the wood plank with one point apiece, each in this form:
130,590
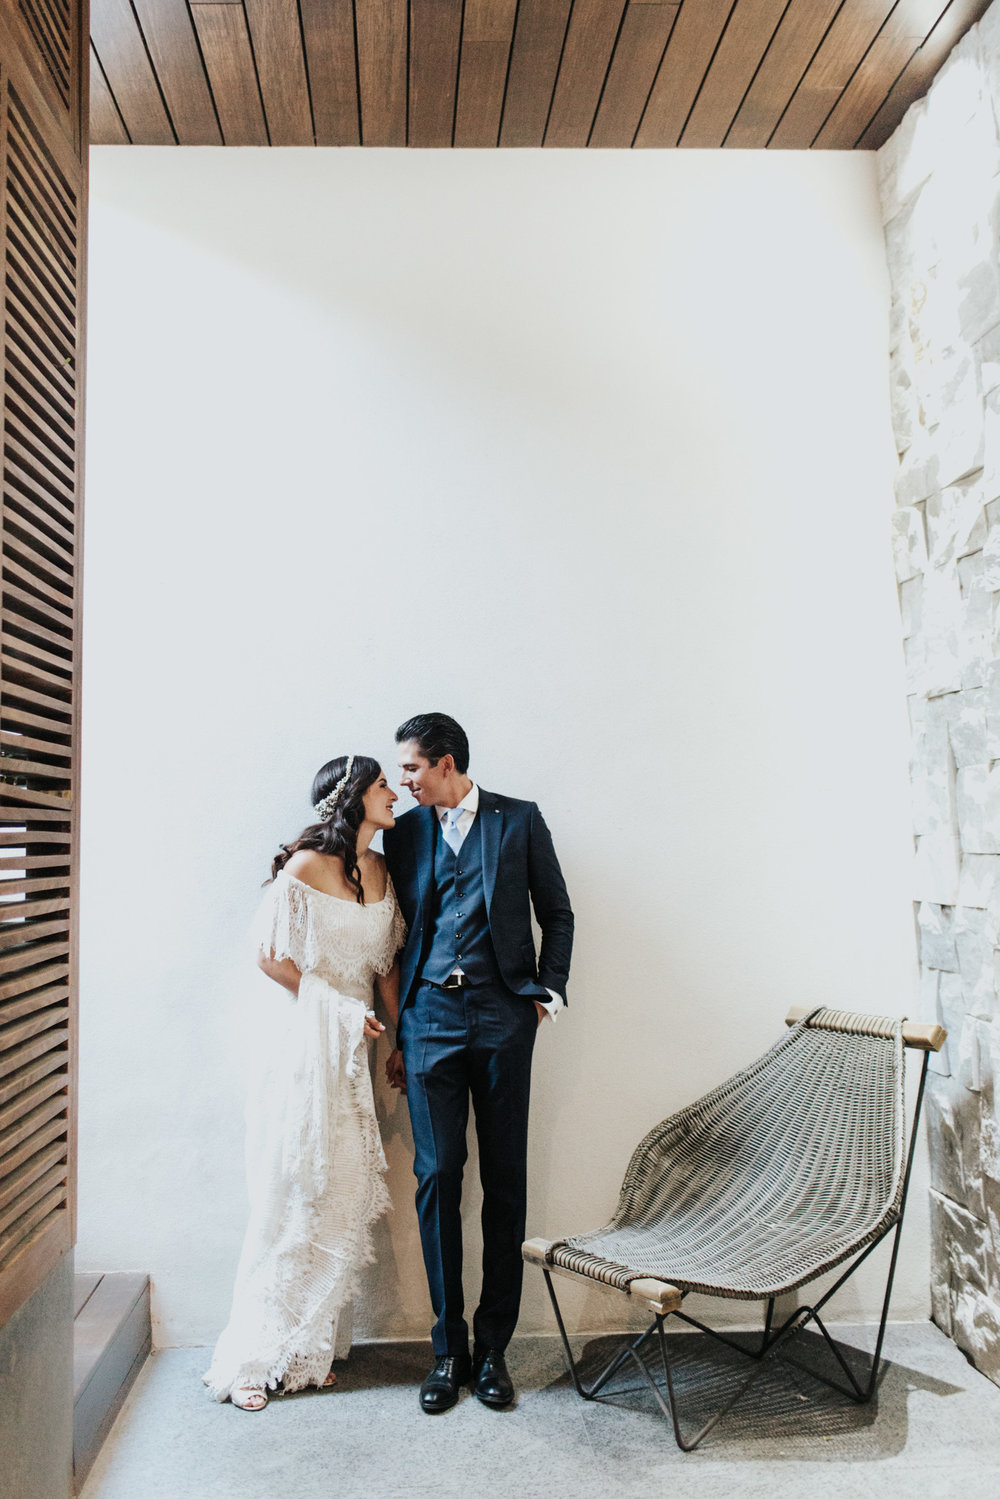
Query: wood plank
225,46
84,1286
30,886
28,982
792,48
435,31
487,35
27,603
590,42
281,69
13,694
122,55
917,76
35,1142
30,1180
12,569
641,44
859,102
45,397
854,28
34,1218
382,31
17,933
328,28
689,52
39,1080
35,1123
744,42
169,33
31,955
24,742
13,1009
107,128
534,65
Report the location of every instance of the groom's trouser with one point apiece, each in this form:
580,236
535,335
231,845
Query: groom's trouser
457,1044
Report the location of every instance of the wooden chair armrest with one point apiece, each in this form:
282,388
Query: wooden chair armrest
923,1035
659,1296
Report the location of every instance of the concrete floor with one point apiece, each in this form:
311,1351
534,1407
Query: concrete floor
933,1432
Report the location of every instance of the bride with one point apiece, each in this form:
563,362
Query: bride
328,926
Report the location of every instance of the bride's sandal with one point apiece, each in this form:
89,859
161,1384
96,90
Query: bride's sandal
329,1382
254,1399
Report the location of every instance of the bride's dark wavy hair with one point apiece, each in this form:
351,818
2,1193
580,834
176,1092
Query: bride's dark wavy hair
339,833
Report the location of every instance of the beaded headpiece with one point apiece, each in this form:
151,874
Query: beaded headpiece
324,808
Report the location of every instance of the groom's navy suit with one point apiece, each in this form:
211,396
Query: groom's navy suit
471,910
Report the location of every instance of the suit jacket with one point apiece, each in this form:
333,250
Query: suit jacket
519,863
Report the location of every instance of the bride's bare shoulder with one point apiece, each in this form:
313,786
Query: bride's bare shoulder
313,868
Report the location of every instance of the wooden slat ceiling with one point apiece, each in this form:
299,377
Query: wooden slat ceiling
789,74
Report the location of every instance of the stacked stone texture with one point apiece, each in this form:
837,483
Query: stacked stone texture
939,180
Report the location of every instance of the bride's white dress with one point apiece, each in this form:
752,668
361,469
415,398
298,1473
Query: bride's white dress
314,1157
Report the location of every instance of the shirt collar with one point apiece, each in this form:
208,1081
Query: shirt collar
469,803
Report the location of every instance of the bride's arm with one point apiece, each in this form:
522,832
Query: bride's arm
388,991
283,971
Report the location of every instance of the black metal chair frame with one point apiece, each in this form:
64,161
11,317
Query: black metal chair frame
771,1338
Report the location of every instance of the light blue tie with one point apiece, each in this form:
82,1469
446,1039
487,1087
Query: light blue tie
452,836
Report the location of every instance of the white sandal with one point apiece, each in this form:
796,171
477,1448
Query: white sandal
255,1398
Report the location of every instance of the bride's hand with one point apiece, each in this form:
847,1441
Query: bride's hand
373,1027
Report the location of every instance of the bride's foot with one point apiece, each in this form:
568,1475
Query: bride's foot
248,1398
329,1381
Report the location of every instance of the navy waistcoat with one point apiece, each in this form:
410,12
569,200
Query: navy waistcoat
460,932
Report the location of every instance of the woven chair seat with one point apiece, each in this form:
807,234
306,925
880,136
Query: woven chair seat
784,1171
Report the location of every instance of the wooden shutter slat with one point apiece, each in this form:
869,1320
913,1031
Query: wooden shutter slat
15,932
29,837
30,886
13,1009
26,601
17,1176
30,385
33,862
15,1032
24,1192
23,623
31,956
42,224
43,746
33,1142
39,484
42,1123
33,1080
28,652
25,1224
40,586
28,171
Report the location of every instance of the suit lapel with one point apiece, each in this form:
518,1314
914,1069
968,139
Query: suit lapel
423,850
490,821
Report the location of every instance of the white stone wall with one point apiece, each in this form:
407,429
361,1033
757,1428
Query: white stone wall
940,193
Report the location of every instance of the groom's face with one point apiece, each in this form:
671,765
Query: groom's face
425,782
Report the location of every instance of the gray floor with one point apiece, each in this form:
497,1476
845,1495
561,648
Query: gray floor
932,1433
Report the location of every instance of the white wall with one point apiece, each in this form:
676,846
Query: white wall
591,451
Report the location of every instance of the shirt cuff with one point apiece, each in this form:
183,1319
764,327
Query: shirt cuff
555,1004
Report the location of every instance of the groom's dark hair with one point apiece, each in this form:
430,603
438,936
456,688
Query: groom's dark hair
437,735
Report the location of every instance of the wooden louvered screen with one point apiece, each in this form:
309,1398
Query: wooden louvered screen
42,243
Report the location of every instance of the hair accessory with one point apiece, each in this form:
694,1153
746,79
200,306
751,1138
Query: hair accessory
324,808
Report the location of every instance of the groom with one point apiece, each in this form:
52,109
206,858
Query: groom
464,863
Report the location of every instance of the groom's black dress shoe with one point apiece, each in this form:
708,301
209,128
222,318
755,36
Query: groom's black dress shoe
493,1384
440,1389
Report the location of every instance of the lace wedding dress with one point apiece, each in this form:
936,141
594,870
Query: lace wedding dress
314,1156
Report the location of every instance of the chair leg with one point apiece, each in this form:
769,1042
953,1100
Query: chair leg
590,1392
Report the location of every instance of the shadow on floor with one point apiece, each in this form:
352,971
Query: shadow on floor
784,1406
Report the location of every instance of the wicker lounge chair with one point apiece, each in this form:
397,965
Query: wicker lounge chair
797,1164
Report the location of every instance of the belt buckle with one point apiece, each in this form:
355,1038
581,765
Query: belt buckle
459,983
